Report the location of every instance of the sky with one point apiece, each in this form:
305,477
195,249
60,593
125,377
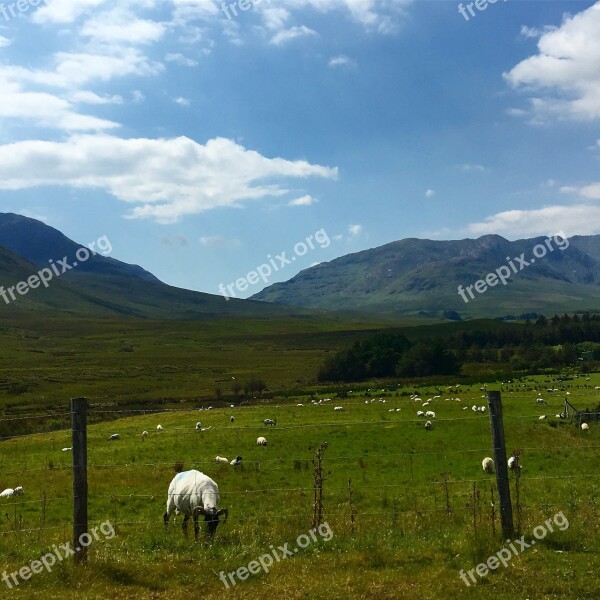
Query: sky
205,138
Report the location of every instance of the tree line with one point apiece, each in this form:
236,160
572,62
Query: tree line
534,345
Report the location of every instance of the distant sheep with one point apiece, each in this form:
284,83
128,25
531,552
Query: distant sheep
67,449
113,437
261,441
270,422
236,461
420,413
488,465
159,428
540,401
585,426
144,434
338,408
512,463
193,494
428,425
430,414
221,459
232,419
198,425
9,492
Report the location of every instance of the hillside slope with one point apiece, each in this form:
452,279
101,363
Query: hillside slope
412,276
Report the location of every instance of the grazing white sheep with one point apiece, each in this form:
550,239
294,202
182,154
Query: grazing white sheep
585,426
113,437
270,422
144,434
482,409
9,492
236,461
542,417
67,449
232,419
428,425
205,428
512,464
193,494
420,413
261,441
159,428
338,408
198,425
430,414
488,465
221,459
540,401
474,408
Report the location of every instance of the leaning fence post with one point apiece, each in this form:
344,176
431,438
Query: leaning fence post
80,484
500,462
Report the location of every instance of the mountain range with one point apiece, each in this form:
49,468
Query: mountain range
416,276
410,277
100,286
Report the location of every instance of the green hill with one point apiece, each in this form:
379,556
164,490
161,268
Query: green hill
415,276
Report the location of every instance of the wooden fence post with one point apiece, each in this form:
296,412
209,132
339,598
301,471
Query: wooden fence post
501,464
80,484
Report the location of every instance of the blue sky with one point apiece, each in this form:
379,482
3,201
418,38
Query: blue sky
201,145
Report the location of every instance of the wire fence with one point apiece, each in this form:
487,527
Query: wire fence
33,461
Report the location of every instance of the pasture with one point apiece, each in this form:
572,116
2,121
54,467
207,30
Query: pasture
417,509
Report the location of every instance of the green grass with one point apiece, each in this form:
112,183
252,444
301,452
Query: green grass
403,544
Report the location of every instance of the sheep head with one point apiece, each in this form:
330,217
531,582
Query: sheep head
211,517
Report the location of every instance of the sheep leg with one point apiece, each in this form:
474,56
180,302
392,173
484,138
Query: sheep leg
196,526
184,525
166,519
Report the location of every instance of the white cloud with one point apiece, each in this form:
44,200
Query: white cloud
4,41
165,178
47,110
87,97
303,201
217,241
64,11
566,71
137,96
579,219
341,61
472,168
355,230
73,70
181,60
429,193
119,26
589,192
534,32
287,35
182,101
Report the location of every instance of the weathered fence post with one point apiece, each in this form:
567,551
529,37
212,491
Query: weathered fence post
80,484
501,463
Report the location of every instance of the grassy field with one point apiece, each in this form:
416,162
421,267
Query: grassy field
420,500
